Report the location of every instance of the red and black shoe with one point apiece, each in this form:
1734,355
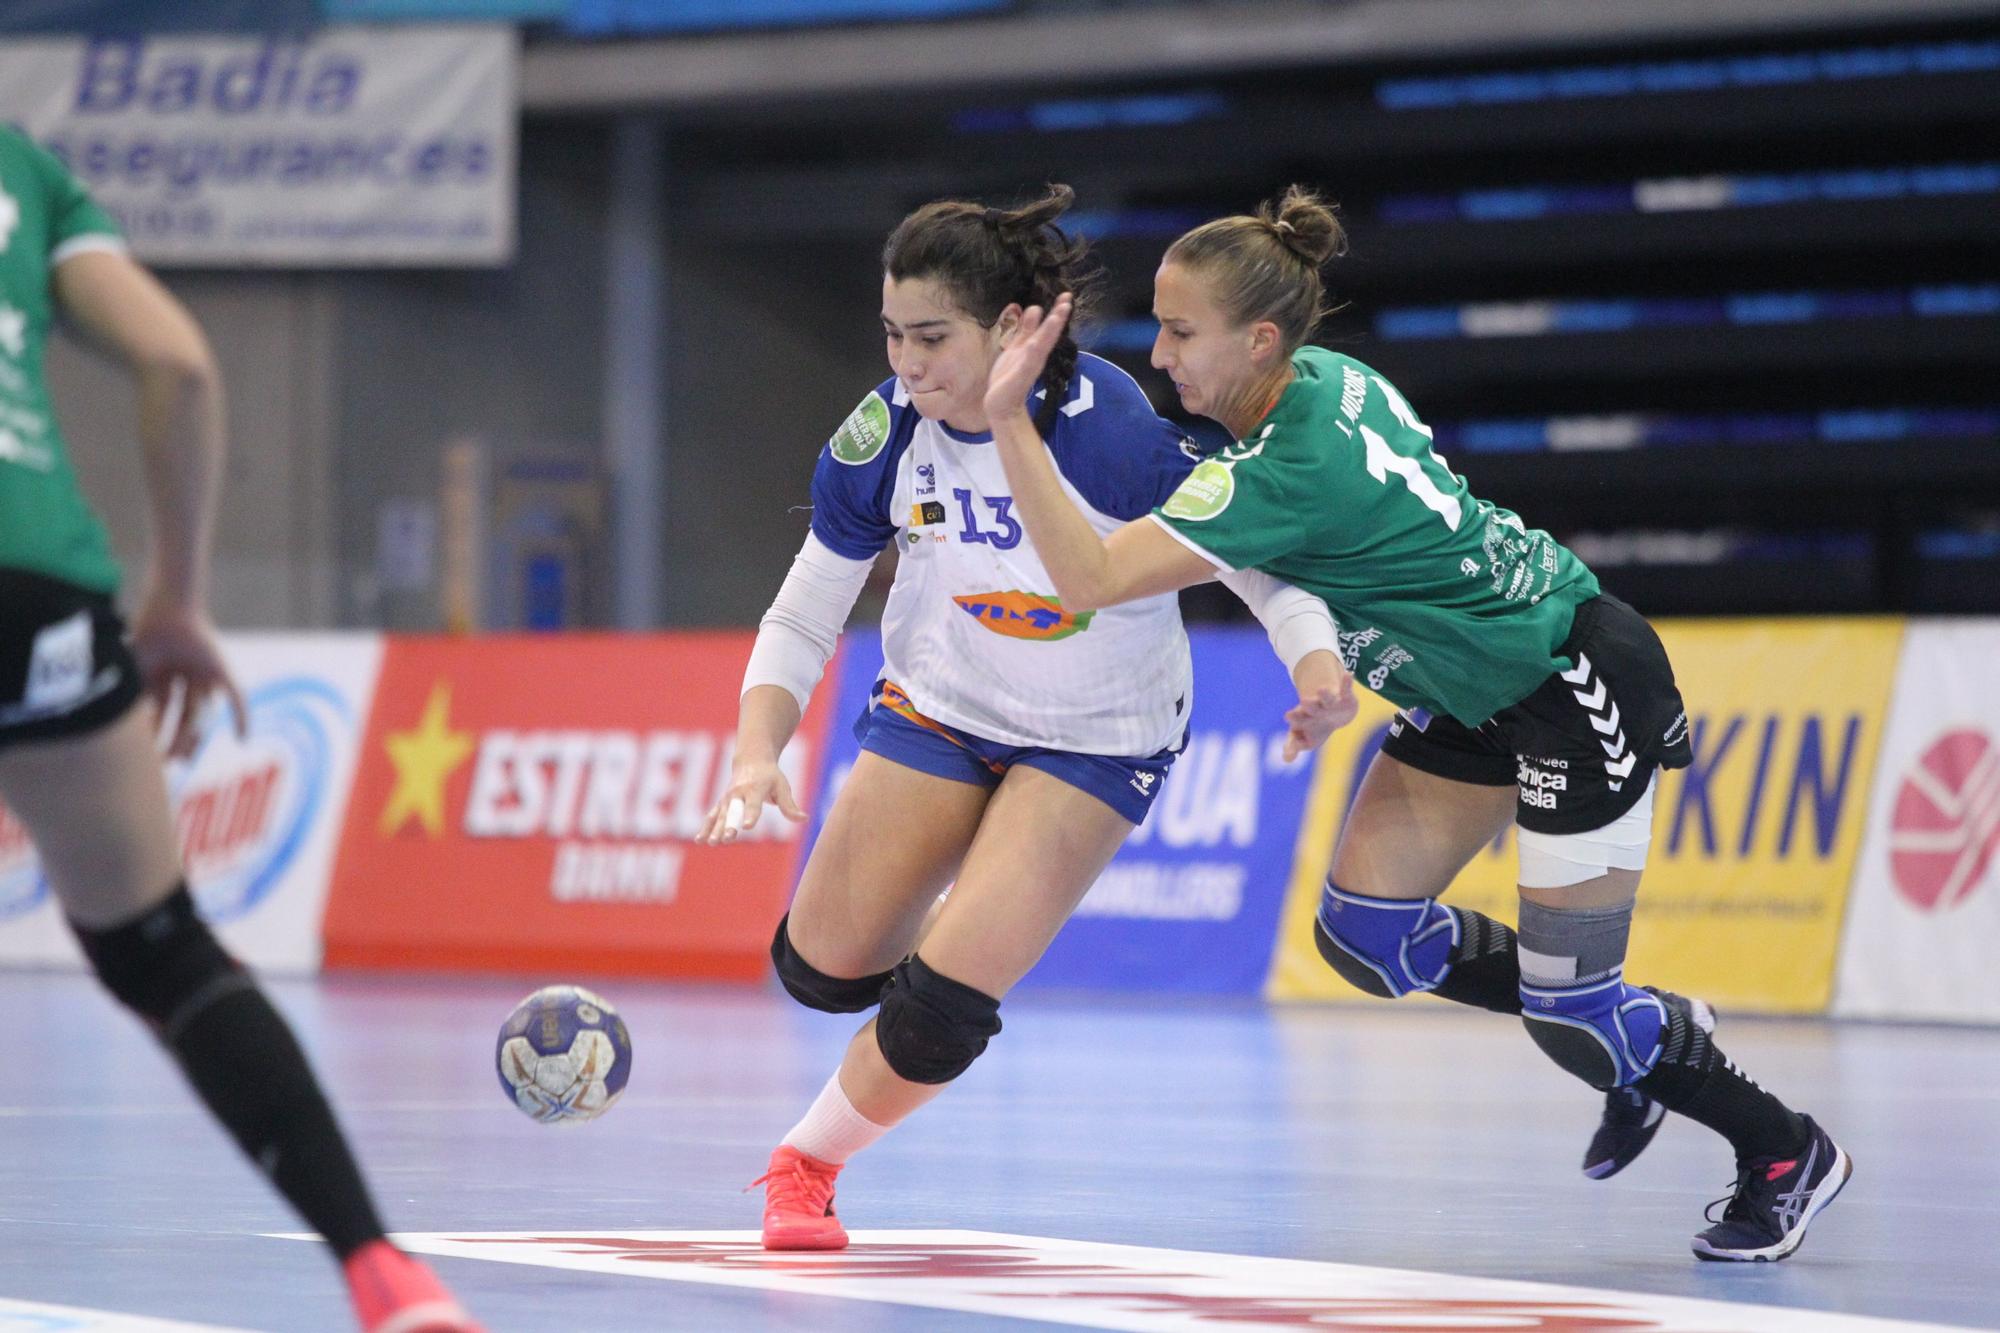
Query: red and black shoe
1775,1200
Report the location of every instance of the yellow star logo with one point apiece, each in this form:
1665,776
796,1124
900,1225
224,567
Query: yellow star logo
424,759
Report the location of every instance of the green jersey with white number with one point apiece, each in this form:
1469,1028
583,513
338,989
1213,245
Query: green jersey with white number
1444,601
45,217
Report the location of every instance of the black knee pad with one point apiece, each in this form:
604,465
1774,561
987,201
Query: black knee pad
932,1028
1349,968
1576,1051
815,989
167,966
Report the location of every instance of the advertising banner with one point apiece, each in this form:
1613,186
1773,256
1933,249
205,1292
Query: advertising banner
257,817
1191,901
1924,915
353,146
1753,845
532,803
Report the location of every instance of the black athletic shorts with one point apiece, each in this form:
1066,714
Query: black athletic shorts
1583,746
65,668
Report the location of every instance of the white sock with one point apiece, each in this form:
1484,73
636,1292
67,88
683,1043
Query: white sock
833,1130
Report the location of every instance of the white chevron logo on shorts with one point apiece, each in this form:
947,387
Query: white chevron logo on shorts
1593,695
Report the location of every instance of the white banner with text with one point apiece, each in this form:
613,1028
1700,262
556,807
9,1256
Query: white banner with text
349,147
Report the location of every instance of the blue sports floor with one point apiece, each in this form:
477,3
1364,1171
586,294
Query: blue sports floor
1393,1138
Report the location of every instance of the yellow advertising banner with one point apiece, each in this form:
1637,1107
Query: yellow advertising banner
1754,844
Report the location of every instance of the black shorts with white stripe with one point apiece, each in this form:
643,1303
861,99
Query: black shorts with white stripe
1583,746
65,667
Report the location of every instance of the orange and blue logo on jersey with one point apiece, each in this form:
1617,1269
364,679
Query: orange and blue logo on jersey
1024,615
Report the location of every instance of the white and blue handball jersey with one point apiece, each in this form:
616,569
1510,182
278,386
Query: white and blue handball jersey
973,632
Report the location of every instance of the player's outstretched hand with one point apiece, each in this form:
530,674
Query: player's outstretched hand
180,662
751,787
1026,356
1321,711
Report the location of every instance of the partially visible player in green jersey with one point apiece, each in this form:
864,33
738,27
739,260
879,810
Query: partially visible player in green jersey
45,218
80,705
1527,694
1445,601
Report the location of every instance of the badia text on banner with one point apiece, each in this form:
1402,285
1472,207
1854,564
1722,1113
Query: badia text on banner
348,146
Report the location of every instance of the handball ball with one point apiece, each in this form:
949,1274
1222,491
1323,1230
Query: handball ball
564,1055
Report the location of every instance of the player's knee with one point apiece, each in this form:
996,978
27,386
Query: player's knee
932,1028
1386,946
166,966
814,988
1608,1035
1574,998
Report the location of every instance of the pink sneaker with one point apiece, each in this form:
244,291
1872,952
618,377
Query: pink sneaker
394,1293
798,1203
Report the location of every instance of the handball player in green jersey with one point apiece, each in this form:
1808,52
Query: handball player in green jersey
81,701
1526,693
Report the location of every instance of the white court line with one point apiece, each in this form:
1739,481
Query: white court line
34,1317
1085,1284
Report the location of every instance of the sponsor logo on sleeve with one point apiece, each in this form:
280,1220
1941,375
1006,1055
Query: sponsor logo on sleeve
1205,493
863,434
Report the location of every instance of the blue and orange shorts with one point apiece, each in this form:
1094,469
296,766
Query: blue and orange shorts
893,728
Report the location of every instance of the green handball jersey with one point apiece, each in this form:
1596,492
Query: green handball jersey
45,217
1444,601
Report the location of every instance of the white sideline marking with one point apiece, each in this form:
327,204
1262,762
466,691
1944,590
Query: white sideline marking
33,1315
1085,1284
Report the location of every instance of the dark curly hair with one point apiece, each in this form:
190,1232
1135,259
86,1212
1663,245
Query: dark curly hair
990,258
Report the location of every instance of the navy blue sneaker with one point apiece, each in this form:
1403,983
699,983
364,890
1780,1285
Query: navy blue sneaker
1631,1118
1775,1200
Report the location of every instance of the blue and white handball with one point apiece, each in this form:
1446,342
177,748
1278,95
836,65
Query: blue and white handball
564,1055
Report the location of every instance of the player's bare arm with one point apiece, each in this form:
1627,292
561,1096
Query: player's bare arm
1138,560
767,720
126,312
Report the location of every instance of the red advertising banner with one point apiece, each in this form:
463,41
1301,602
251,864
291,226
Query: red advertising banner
531,804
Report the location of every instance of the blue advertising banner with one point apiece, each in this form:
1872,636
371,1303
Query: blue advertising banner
850,677
1191,903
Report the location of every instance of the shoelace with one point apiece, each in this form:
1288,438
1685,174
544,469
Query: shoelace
796,1186
1741,1207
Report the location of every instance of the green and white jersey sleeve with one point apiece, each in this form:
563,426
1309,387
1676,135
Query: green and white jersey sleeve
46,217
1444,601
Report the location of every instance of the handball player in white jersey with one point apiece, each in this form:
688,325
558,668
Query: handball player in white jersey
1010,746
